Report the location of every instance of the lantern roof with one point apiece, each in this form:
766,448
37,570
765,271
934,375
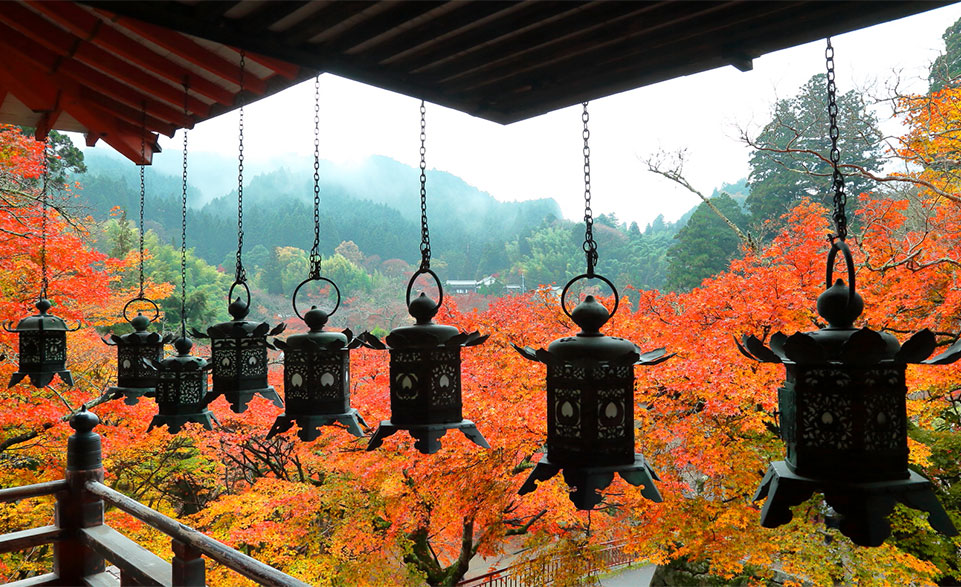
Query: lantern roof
92,67
41,321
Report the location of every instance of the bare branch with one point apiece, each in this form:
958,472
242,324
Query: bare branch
671,166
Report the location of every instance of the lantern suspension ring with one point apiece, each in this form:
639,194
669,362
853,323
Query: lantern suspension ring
181,388
239,346
42,337
425,363
590,392
842,406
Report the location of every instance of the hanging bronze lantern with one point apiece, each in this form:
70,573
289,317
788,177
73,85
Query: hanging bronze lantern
425,384
181,390
43,347
843,417
136,378
317,364
238,351
590,407
842,406
239,347
317,376
590,391
42,337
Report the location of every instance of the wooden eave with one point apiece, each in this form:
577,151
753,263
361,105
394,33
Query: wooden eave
96,66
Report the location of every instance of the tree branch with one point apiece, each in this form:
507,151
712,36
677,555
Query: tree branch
675,172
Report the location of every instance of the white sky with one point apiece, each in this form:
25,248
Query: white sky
541,157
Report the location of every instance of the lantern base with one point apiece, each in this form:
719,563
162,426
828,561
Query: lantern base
863,507
175,422
427,436
40,379
131,395
238,400
587,481
310,423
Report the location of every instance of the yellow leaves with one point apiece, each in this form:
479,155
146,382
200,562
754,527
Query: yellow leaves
919,454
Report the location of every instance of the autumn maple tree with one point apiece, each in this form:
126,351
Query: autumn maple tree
329,512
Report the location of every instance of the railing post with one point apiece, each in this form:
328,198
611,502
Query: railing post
188,565
76,508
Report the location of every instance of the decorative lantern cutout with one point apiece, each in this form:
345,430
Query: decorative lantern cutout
844,420
181,391
135,377
425,383
238,351
317,376
842,406
590,407
43,347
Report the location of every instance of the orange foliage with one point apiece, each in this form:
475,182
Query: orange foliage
330,512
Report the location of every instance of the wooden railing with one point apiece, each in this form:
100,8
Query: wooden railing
83,544
545,570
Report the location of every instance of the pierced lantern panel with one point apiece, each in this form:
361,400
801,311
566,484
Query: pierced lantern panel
136,378
590,409
317,380
181,390
43,348
239,358
425,380
843,418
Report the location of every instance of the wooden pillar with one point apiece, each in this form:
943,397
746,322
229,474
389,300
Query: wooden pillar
76,508
188,565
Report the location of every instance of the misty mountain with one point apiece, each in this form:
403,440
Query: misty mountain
376,205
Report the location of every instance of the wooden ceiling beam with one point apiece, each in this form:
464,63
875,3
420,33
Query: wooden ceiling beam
50,62
570,36
463,15
331,15
195,53
88,26
505,23
35,91
64,43
659,49
370,29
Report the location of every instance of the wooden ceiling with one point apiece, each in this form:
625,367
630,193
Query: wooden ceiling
95,67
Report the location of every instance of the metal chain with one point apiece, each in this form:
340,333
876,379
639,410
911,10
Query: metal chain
44,283
183,227
143,163
424,232
241,276
840,198
590,247
315,251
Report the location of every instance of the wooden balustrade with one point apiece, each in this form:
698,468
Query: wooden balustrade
83,544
